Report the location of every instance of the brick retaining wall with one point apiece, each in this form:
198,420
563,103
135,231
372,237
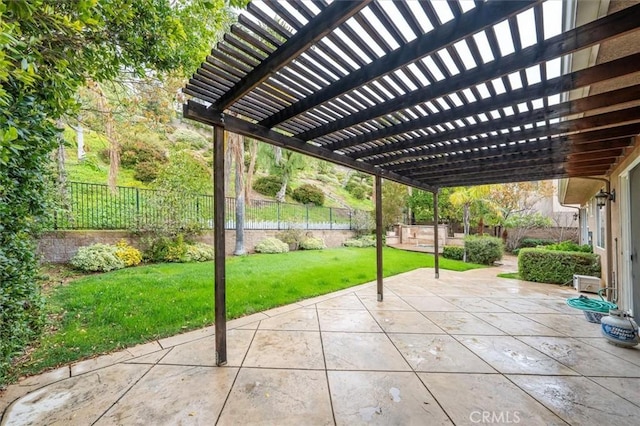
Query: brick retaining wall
60,246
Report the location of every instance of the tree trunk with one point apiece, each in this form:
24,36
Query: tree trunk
63,195
228,159
238,152
466,228
60,161
110,133
80,141
253,154
282,192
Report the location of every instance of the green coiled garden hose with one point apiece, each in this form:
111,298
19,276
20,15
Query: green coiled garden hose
594,305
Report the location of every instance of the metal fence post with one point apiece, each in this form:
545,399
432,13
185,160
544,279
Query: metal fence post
330,217
278,204
137,201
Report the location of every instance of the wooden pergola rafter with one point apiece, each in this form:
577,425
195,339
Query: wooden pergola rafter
430,94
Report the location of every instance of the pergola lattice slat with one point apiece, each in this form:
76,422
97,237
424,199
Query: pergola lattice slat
394,92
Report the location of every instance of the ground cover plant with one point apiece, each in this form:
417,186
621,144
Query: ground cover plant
103,312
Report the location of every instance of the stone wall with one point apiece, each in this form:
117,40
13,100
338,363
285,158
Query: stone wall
61,246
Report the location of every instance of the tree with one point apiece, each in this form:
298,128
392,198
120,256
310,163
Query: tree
518,197
516,205
285,164
465,197
50,48
236,146
253,156
394,202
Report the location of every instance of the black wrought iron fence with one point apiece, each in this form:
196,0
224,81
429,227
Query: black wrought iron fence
95,206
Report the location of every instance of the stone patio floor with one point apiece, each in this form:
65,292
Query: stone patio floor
469,348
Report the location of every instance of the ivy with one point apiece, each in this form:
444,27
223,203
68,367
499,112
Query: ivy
48,50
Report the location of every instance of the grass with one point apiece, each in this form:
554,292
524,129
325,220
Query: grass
104,312
511,275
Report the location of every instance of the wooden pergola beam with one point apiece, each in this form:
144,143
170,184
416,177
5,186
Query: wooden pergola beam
483,154
325,22
573,40
484,15
493,178
516,163
198,112
422,147
617,68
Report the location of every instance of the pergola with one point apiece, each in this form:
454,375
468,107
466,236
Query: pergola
430,94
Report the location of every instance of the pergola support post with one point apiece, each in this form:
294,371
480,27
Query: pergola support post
379,237
219,249
436,243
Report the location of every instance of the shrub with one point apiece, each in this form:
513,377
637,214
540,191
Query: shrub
364,241
132,153
272,245
534,242
556,267
155,248
177,249
97,258
453,252
146,171
131,256
198,252
312,243
308,194
483,250
570,246
352,242
268,185
358,190
292,237
362,222
190,137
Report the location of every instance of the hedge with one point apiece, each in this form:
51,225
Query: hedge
535,242
556,267
570,246
483,250
453,252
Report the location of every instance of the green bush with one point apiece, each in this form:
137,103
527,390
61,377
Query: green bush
132,153
311,243
146,171
97,258
535,242
453,252
21,304
570,246
358,190
190,137
483,250
363,241
272,245
269,185
556,267
292,237
165,249
308,194
198,252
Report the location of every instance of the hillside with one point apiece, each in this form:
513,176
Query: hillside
148,151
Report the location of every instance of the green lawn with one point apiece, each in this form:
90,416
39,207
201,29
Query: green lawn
103,312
